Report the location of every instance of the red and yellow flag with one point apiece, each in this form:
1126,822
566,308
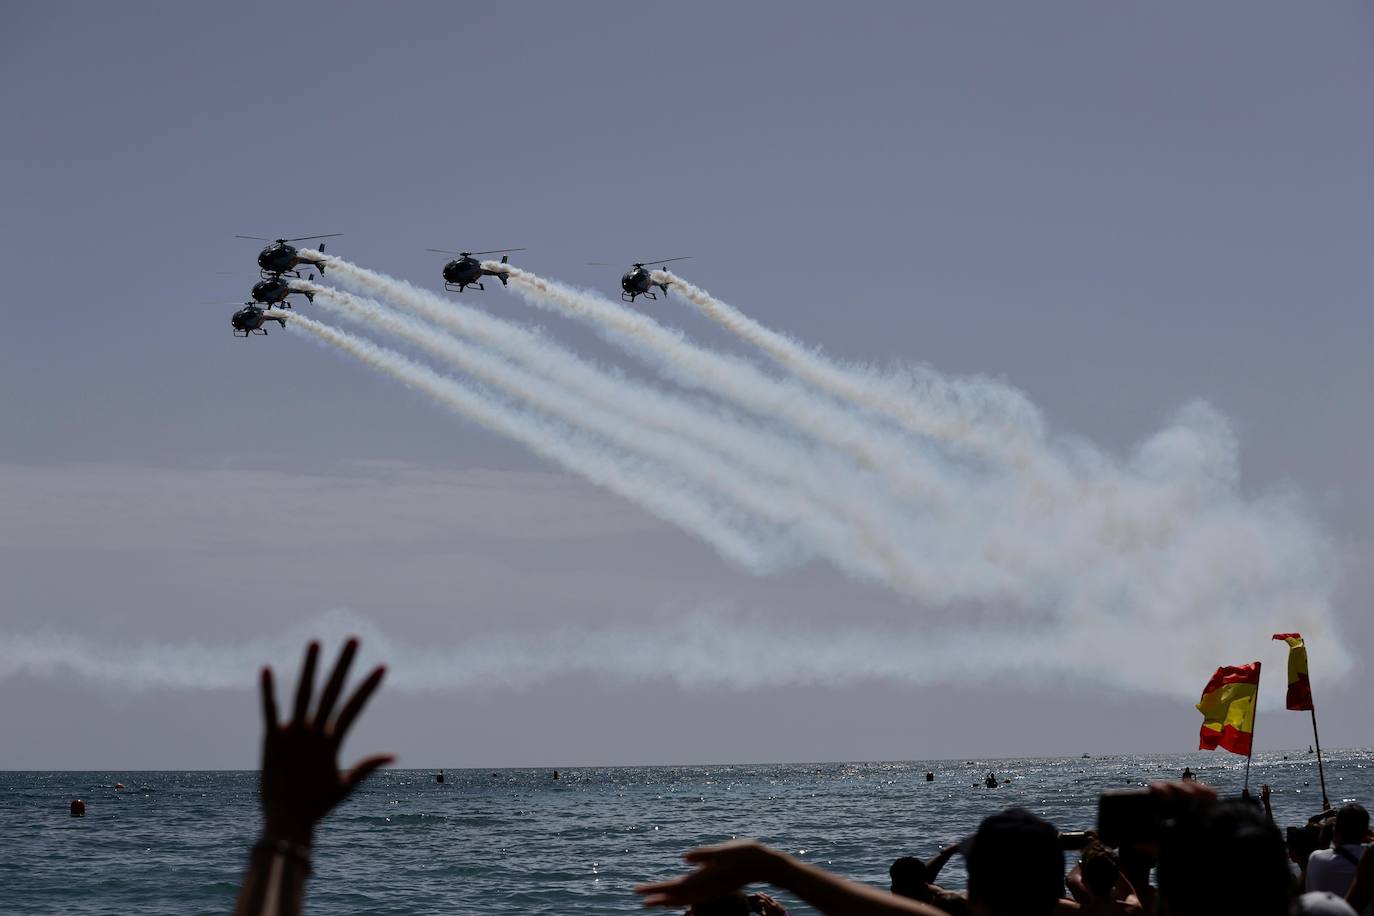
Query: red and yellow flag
1299,687
1228,709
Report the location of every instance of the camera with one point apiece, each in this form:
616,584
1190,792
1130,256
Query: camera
1138,817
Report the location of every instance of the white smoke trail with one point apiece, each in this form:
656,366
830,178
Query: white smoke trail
743,384
781,506
990,420
759,449
650,488
1071,530
696,650
1128,569
828,489
764,452
704,649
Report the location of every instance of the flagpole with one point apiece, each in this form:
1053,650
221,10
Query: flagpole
1245,792
1321,771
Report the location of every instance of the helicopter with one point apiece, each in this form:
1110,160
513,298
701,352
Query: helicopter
274,289
638,281
282,257
465,270
250,320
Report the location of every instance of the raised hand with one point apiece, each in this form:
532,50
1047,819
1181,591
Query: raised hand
1183,791
770,907
301,779
719,871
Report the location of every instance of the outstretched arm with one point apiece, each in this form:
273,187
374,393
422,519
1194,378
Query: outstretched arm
1074,882
726,868
938,861
301,782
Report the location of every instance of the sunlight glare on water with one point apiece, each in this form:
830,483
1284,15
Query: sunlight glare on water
518,842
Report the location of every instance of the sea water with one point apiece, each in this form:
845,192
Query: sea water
517,841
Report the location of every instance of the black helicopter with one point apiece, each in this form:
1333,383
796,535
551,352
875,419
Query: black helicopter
274,290
282,257
250,320
465,270
638,280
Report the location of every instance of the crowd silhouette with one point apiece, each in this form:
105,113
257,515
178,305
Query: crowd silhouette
1206,855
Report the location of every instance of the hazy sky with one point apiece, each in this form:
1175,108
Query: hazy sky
1115,209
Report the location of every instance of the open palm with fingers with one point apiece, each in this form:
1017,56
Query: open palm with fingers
301,779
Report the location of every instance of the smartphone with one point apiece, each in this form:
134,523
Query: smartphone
1074,840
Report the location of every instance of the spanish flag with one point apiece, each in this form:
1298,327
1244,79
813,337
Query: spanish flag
1299,687
1228,709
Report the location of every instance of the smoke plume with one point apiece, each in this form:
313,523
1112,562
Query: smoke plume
1050,552
986,419
603,466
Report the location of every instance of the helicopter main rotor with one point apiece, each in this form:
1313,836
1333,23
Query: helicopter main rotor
302,238
473,254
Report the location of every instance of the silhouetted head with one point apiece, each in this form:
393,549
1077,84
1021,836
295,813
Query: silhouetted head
1225,853
1015,865
1100,870
1352,824
1302,842
1323,903
910,878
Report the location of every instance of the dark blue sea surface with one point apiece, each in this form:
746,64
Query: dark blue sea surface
518,842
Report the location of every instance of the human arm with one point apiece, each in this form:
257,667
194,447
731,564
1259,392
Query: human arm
1074,882
938,861
1124,891
768,906
723,869
301,782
